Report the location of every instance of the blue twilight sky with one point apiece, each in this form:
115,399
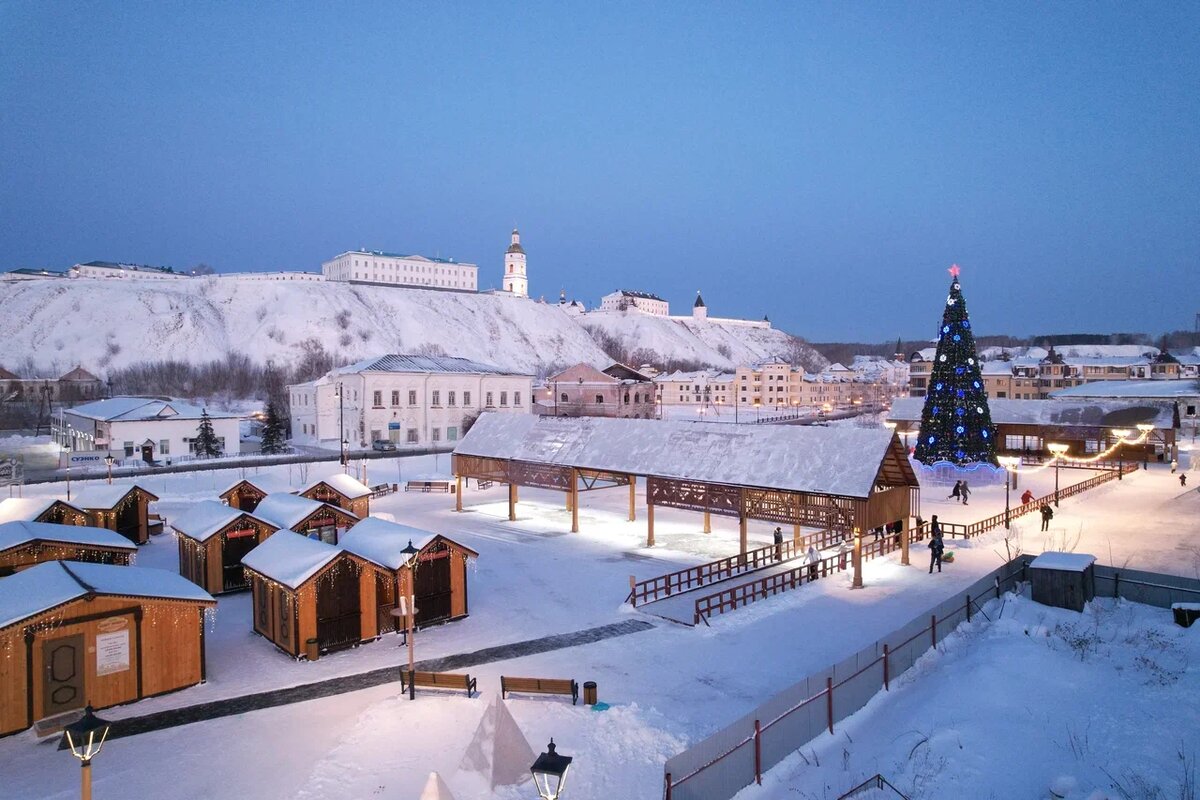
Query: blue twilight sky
823,163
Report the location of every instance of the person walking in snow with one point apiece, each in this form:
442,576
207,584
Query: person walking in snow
1174,465
778,543
1027,498
936,548
812,559
965,491
1183,479
956,492
1047,515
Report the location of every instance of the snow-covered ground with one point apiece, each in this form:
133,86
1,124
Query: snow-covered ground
668,687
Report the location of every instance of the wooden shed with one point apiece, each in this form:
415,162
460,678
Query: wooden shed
1063,580
41,509
441,570
124,508
213,538
74,634
312,518
24,544
304,589
247,493
342,491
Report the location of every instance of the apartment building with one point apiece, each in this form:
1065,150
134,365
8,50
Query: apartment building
394,269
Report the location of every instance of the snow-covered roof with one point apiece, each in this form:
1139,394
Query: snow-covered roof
102,495
285,510
380,541
342,483
825,460
127,409
18,533
29,508
1063,413
1132,389
290,558
267,484
394,362
52,583
1066,562
202,520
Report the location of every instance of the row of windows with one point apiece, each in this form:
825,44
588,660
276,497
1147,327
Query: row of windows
435,398
413,435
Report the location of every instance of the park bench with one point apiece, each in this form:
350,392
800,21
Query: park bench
563,686
483,483
428,486
438,680
382,489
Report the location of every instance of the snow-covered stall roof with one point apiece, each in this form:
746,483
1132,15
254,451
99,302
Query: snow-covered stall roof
1061,413
18,533
381,542
267,484
341,483
284,510
819,460
29,508
290,558
52,583
1064,562
1166,390
105,496
202,520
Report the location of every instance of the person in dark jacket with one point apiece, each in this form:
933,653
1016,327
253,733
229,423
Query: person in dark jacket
965,491
1047,515
956,492
778,543
1183,479
936,548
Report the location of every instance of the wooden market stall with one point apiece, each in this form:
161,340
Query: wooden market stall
247,493
124,508
41,509
440,587
312,518
342,491
309,596
24,544
75,634
213,539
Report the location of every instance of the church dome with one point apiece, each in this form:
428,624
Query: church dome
515,247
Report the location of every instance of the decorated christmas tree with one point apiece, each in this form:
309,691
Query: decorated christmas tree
956,424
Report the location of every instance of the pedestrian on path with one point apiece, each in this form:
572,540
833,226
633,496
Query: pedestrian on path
1174,465
965,491
1027,498
898,530
778,543
936,548
812,558
1183,479
956,492
1047,515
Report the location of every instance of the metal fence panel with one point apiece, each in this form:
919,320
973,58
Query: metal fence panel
1162,591
854,694
725,778
790,733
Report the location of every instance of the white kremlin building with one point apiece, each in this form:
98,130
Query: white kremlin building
515,280
393,269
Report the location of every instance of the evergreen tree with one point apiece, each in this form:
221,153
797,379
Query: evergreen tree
956,424
206,443
273,432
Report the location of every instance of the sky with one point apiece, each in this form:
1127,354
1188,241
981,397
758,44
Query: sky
820,163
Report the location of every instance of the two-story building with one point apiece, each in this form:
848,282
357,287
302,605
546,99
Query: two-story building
584,391
394,269
149,428
405,399
626,300
701,389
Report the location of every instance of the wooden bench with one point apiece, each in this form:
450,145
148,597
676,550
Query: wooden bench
428,486
382,489
563,686
438,680
483,483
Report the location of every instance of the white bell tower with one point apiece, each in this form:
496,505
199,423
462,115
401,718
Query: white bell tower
515,280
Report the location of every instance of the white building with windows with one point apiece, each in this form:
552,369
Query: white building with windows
625,300
112,269
393,269
151,429
515,280
418,401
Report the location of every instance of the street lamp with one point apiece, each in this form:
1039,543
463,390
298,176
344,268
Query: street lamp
550,773
1145,428
1120,433
1058,450
108,460
340,395
85,737
1010,464
409,554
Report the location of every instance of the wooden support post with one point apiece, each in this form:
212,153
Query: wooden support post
458,493
649,524
512,502
707,521
516,493
796,535
632,498
742,541
568,500
904,532
574,500
858,581
886,667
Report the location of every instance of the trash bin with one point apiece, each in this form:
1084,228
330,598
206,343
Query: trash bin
312,650
589,693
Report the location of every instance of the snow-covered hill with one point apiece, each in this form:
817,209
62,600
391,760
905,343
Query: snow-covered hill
104,325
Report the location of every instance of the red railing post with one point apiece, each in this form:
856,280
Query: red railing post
886,667
829,701
757,753
667,793
933,628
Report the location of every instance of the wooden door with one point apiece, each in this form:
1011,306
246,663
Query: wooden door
385,601
62,675
433,590
338,615
236,546
128,521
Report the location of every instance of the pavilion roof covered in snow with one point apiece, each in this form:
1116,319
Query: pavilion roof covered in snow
206,518
18,533
290,558
29,509
106,495
842,461
288,510
1057,413
341,483
381,541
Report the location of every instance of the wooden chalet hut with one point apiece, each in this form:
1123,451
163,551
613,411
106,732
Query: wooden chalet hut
25,544
41,509
213,539
124,508
247,493
309,596
441,570
74,633
312,518
342,491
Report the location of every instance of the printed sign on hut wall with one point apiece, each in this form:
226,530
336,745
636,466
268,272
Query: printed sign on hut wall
112,646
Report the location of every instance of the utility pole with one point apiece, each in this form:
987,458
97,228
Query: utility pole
341,395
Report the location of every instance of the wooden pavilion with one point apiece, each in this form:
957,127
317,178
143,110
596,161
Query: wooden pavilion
847,480
310,517
26,544
440,588
77,634
213,538
247,493
41,509
124,508
304,589
340,490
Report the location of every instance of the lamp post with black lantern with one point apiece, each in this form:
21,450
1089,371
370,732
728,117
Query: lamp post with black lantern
108,461
1059,450
410,558
550,773
84,738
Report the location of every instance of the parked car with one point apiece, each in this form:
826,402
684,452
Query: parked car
383,445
